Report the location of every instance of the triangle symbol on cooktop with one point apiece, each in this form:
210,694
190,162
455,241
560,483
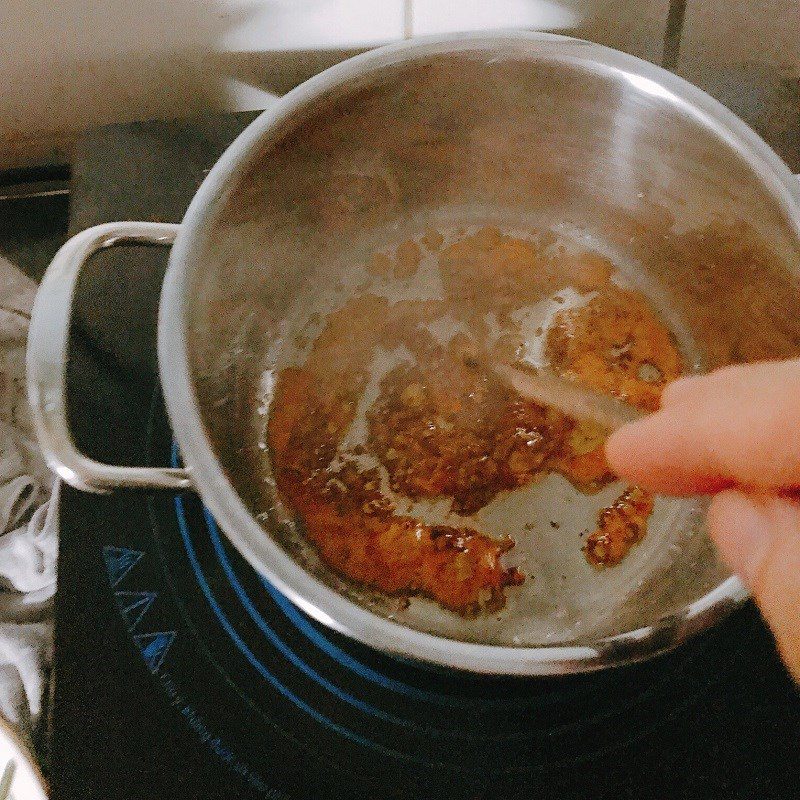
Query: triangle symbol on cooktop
119,562
154,647
134,605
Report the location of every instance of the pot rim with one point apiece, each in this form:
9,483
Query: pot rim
240,526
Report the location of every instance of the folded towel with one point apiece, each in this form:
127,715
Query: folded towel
28,523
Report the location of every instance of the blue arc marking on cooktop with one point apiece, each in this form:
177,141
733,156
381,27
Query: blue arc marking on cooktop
336,653
255,662
362,670
339,655
298,662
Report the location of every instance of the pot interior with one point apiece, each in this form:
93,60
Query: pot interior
547,145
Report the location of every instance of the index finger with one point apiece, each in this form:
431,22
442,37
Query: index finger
740,426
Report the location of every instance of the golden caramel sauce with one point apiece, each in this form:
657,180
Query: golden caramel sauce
443,426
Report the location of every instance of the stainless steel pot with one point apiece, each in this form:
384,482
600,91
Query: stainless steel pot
524,128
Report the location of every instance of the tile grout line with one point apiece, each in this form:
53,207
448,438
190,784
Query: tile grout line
672,33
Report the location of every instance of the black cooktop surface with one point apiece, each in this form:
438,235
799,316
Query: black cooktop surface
179,670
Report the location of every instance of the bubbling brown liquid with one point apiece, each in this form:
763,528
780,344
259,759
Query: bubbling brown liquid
442,426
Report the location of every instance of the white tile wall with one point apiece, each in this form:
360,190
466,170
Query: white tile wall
71,64
635,26
736,32
444,16
283,25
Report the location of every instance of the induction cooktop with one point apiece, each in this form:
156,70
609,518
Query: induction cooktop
181,672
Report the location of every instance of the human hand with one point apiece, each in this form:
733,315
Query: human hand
734,433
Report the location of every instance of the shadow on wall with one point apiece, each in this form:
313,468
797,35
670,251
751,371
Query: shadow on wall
73,64
766,98
277,72
266,55
70,64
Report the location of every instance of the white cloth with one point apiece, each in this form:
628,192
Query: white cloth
28,524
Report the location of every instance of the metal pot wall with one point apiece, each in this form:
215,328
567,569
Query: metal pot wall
536,129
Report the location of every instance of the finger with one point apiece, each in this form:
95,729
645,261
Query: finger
738,377
668,453
759,537
739,428
683,389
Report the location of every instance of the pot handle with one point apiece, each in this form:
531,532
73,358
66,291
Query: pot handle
48,338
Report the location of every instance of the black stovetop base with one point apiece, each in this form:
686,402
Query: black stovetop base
178,667
179,671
